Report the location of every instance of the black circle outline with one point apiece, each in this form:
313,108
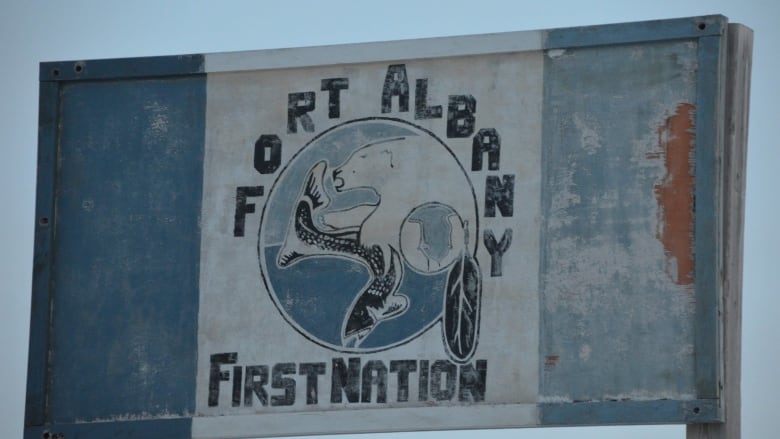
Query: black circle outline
260,258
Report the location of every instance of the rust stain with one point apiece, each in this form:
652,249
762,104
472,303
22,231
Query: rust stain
676,140
550,361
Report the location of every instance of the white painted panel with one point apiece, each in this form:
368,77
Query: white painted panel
419,419
372,52
417,175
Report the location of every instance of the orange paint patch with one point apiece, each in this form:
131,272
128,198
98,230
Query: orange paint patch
676,140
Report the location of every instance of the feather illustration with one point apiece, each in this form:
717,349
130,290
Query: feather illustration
462,302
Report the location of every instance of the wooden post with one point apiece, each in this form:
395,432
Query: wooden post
739,53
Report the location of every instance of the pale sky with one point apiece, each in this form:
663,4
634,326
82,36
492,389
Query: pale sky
34,31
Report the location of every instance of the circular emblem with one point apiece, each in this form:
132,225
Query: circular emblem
366,232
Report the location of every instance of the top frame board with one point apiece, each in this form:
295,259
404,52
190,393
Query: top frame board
519,229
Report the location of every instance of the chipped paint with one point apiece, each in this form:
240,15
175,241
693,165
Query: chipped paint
555,399
590,139
556,53
605,268
157,122
585,351
674,193
647,396
140,416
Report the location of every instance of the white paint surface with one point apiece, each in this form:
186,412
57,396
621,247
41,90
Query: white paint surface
238,315
373,52
419,419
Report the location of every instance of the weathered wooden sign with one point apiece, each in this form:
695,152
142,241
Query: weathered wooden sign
516,229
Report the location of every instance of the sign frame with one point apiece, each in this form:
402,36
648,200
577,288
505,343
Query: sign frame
722,83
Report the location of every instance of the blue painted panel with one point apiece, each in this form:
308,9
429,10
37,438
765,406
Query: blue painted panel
153,66
621,412
125,285
615,324
647,31
157,429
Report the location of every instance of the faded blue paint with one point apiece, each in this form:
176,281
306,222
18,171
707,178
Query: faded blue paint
122,68
310,298
646,31
612,323
156,429
126,252
708,154
627,412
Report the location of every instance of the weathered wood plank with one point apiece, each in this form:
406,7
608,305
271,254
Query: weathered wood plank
740,46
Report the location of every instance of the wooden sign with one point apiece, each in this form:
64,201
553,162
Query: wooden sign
520,229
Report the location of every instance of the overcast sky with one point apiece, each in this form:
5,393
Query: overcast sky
33,31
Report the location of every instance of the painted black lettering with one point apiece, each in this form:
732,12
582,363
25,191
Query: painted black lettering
396,84
312,371
499,194
421,108
460,115
334,86
237,382
472,382
497,249
374,374
243,208
298,107
256,378
443,372
268,153
345,380
487,141
402,368
216,375
423,381
278,381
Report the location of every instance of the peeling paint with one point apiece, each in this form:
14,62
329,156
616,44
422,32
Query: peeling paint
555,399
584,353
141,416
590,140
556,53
648,396
157,121
563,199
674,193
605,267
